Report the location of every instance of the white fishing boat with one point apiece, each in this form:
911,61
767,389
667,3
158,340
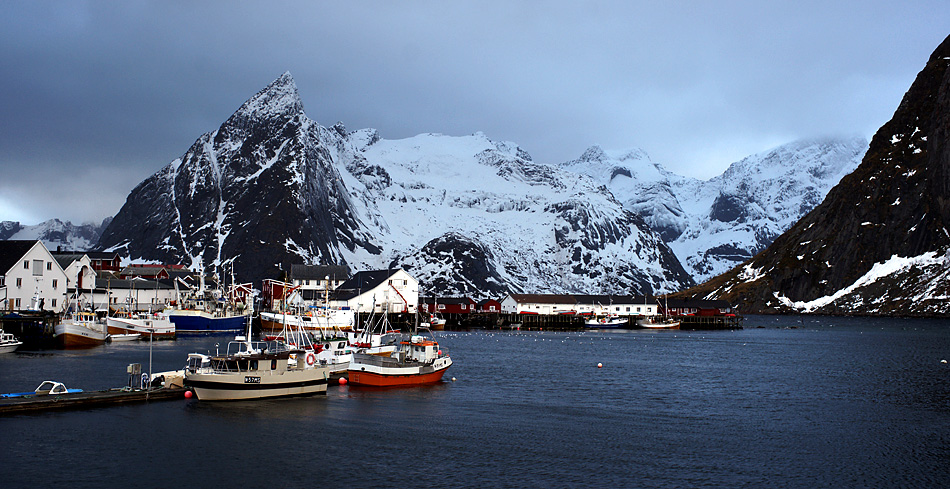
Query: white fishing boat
659,322
155,325
314,320
609,321
8,342
256,370
252,370
654,322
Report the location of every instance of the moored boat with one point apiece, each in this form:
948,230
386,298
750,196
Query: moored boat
123,337
46,388
417,361
653,322
8,342
316,320
156,325
255,370
610,321
79,330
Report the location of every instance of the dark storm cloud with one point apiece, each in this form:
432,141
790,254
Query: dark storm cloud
96,96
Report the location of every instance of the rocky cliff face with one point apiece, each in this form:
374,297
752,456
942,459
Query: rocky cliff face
465,215
878,242
261,191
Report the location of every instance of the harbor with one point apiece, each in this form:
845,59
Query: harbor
778,401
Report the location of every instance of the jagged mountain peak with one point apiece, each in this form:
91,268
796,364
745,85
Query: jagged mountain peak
279,99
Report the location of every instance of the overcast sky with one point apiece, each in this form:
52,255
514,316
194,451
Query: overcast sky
97,96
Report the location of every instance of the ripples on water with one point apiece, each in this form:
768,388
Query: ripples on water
786,402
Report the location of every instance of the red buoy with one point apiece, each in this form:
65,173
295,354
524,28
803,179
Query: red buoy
187,394
342,380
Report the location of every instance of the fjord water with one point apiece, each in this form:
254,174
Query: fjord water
784,402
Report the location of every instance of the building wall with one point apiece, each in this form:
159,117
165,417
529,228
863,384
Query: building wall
41,277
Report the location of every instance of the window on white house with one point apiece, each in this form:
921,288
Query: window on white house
3,280
26,264
55,283
54,303
37,268
49,265
19,282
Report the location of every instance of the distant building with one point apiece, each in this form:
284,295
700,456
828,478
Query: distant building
447,305
489,306
105,260
30,277
318,277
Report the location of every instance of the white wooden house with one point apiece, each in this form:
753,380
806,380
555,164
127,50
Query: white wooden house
30,278
379,291
79,272
539,304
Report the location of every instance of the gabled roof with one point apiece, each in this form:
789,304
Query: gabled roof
103,255
361,282
446,300
318,272
65,259
12,250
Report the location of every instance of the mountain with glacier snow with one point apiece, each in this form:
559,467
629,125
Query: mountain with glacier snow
465,215
713,225
56,234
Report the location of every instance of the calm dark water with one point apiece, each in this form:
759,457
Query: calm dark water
814,402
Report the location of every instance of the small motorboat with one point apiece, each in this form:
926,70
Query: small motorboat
610,321
123,337
47,388
8,342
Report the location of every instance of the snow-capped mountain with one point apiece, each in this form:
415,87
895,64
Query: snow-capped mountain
713,225
879,242
56,234
465,215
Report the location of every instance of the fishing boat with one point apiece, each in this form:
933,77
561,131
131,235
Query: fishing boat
155,325
609,321
80,330
256,370
253,370
662,322
417,361
653,322
8,342
207,311
315,320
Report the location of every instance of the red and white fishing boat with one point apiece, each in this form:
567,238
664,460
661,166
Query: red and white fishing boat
417,361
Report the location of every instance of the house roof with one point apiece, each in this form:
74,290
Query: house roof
12,250
361,282
318,272
544,298
143,271
65,259
103,255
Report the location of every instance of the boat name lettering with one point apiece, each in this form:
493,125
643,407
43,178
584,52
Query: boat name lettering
252,380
